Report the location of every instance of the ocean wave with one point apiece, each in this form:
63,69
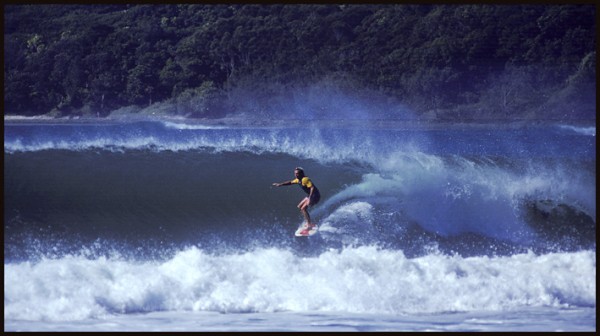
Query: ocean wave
454,196
330,146
323,144
543,205
142,181
591,130
356,280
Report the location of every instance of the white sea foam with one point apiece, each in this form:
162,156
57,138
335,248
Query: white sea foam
306,144
354,280
526,319
190,126
590,130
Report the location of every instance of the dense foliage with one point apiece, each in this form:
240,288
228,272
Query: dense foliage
442,61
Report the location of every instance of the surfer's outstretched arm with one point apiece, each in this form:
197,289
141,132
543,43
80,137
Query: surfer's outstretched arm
282,183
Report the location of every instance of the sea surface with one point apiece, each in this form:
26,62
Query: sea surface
175,226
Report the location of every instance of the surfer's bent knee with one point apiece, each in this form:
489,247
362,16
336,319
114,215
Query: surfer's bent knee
303,204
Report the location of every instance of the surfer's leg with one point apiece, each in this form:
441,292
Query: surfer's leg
303,206
306,216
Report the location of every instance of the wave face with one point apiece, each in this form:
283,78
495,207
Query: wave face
94,208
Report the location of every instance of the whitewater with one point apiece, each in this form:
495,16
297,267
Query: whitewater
174,226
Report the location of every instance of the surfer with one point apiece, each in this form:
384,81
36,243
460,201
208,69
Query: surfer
313,194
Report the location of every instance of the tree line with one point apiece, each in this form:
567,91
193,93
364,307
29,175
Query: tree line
443,61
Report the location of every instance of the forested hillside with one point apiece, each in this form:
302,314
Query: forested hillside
446,62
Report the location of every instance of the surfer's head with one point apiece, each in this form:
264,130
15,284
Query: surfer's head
299,172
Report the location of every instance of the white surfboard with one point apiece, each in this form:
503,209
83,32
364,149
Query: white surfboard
302,232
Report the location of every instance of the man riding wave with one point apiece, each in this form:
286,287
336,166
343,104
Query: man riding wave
312,199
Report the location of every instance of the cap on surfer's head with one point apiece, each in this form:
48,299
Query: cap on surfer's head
299,169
